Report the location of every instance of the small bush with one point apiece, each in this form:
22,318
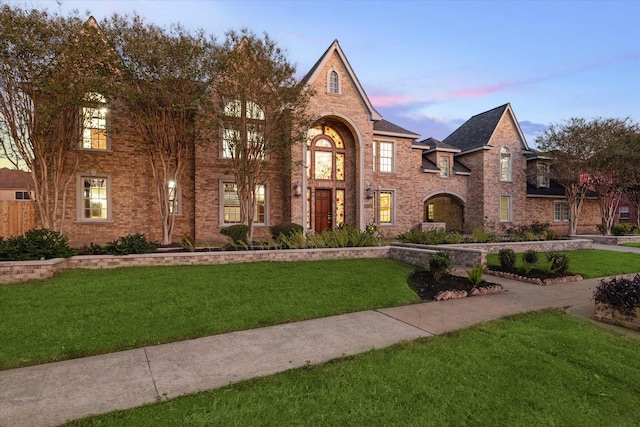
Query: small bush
624,229
479,235
507,259
237,233
440,264
188,244
530,257
475,275
534,231
559,263
287,229
621,293
36,244
430,237
131,244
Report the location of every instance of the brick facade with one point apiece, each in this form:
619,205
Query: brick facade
463,200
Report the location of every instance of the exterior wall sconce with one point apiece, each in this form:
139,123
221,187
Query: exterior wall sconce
297,190
369,191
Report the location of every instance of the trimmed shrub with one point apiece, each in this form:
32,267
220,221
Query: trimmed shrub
507,259
624,229
621,293
36,244
440,264
530,257
237,233
559,263
287,229
131,244
430,237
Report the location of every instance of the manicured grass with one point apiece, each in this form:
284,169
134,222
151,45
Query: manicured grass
539,369
591,263
87,312
631,245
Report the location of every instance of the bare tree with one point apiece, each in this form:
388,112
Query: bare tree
167,73
47,68
567,144
260,111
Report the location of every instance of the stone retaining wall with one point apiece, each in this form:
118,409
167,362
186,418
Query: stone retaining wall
420,254
609,240
519,247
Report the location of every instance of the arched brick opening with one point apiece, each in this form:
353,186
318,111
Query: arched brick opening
445,208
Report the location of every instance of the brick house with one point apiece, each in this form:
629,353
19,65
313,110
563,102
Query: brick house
356,168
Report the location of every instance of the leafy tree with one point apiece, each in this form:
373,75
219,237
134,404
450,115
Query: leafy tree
46,72
631,148
259,111
568,143
166,76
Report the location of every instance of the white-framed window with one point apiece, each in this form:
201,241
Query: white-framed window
94,122
94,198
175,198
22,195
383,156
624,212
561,211
333,82
543,176
444,167
235,135
231,204
505,164
385,207
505,208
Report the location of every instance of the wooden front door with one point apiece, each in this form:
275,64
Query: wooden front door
323,217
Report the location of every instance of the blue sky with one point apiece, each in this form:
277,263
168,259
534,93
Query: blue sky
428,66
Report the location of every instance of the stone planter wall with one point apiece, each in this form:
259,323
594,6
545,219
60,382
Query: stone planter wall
609,240
519,247
604,313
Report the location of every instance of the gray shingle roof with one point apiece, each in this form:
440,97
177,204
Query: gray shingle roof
476,132
432,143
386,126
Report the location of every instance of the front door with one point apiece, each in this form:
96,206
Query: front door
323,210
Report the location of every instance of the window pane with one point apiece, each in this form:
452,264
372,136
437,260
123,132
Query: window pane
505,208
95,198
444,167
386,157
337,139
340,167
505,164
260,205
94,133
324,165
385,201
333,82
231,204
230,139
339,207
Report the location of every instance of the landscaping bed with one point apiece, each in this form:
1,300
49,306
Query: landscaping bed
449,286
537,277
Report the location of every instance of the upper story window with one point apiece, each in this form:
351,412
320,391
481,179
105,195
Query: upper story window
333,82
543,175
241,131
383,156
94,122
505,164
444,167
325,154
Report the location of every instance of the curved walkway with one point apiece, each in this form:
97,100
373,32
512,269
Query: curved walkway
50,394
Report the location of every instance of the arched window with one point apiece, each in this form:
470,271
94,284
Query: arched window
505,164
334,82
237,131
325,157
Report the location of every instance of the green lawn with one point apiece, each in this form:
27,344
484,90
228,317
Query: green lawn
538,369
631,245
85,312
591,263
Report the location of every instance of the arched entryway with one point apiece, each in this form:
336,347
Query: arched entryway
445,208
330,176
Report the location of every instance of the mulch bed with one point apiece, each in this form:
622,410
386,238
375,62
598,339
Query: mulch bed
448,286
535,276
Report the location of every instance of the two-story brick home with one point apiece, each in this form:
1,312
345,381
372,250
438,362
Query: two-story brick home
355,168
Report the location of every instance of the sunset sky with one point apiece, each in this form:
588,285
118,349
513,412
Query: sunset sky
430,65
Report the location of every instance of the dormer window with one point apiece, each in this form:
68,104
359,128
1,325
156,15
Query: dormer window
333,82
543,176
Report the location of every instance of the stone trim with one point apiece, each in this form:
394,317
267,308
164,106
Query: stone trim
604,313
534,280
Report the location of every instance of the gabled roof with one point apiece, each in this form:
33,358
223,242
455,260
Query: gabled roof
432,144
384,127
430,167
322,62
476,132
15,179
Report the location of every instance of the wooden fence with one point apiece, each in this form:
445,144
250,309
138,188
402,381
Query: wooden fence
16,217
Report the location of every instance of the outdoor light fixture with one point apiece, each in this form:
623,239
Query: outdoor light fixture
296,189
369,191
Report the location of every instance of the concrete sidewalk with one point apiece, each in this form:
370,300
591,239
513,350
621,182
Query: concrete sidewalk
48,395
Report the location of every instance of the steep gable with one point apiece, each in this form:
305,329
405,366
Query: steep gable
476,132
320,65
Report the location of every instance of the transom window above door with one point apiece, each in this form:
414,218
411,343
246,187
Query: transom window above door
325,154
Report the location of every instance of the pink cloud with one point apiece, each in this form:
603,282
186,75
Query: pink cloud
391,100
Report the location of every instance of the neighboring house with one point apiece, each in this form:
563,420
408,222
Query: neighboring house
15,185
356,168
627,212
